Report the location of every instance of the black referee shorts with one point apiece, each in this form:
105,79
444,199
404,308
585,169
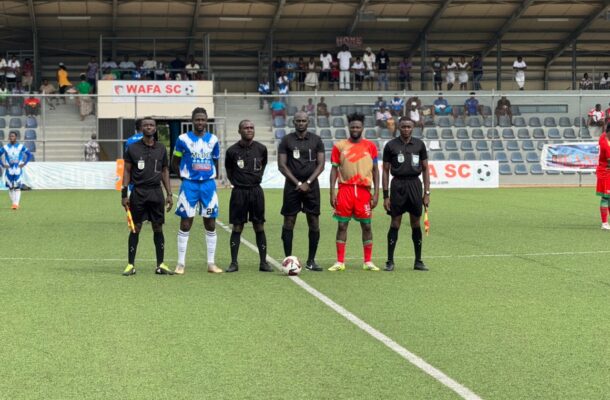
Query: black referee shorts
295,201
406,196
147,204
247,204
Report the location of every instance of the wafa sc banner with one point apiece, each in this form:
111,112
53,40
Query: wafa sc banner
581,157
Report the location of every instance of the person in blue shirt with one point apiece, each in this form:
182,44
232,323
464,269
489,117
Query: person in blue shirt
264,89
397,105
136,136
441,106
195,157
13,157
472,106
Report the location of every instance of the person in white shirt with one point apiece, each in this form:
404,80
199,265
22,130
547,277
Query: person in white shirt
108,64
463,67
126,67
325,59
12,69
2,68
192,69
345,59
369,60
451,67
519,66
148,67
358,67
604,82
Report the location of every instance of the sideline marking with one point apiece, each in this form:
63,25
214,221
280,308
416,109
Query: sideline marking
414,359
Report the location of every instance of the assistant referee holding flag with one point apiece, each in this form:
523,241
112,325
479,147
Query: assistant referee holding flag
405,157
146,166
301,161
245,163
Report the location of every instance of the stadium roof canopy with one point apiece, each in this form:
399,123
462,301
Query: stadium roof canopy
529,27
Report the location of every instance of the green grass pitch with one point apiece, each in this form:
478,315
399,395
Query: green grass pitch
515,305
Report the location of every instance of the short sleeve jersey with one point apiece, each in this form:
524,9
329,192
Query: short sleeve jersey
14,154
355,161
301,153
604,153
134,138
405,158
198,154
472,105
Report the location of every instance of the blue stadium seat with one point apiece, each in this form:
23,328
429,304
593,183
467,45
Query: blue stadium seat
280,133
30,145
470,156
2,123
536,169
429,120
473,122
454,156
2,111
29,134
444,122
466,145
504,121
527,145
516,110
338,122
369,122
16,111
451,145
584,133
554,134
431,134
505,169
532,157
519,122
497,145
340,133
323,122
523,133
438,156
326,134
312,122
520,169
335,111
485,156
447,133
488,122
292,110
549,122
551,172
568,133
501,157
492,133
459,123
371,133
462,133
31,122
477,133
417,132
539,134
565,122
512,145
579,121
15,123
486,110
507,133
1,134
482,145
534,122
386,134
516,157
540,144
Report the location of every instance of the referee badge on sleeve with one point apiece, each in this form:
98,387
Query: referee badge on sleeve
401,158
296,153
140,164
240,163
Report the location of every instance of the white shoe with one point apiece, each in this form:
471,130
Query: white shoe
179,269
606,226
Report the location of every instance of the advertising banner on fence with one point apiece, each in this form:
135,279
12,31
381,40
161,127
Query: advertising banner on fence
570,157
70,175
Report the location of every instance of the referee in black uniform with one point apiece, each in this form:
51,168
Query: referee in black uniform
245,164
301,161
405,157
146,167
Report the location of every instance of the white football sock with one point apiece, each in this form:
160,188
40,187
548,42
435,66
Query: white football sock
210,240
183,239
11,194
17,196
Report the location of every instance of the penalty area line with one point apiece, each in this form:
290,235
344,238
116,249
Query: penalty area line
414,359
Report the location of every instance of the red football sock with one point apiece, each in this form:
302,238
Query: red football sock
368,250
340,251
603,211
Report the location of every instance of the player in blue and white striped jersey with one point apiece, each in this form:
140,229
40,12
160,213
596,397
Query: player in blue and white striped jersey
195,157
13,157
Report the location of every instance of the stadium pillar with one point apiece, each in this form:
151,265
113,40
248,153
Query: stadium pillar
574,65
424,59
499,64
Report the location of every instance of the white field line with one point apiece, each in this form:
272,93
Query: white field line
417,361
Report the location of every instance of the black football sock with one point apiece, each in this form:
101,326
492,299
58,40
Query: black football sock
416,237
314,239
261,243
287,240
392,239
133,247
234,244
159,240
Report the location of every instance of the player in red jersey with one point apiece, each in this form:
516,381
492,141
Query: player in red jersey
603,178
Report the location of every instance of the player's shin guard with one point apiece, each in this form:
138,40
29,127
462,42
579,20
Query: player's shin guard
314,239
416,237
159,240
133,247
183,240
392,239
210,241
261,243
287,235
367,246
234,244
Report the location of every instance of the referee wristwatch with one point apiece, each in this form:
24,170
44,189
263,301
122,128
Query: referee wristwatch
309,181
427,192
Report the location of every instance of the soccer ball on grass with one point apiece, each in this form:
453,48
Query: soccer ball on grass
291,266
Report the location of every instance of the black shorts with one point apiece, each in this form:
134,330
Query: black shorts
147,204
294,201
62,89
438,77
247,204
406,196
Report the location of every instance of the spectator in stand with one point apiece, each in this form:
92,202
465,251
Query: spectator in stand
3,65
463,67
382,116
322,108
345,62
127,67
31,105
414,101
300,73
85,102
278,66
607,115
17,92
441,107
477,72
404,74
264,89
383,67
604,82
414,111
437,71
283,84
177,66
161,72
596,121
334,74
48,89
472,107
519,66
148,67
311,79
278,108
380,103
92,69
192,70
4,94
62,81
326,59
92,149
370,62
291,67
504,109
309,108
586,83
108,75
451,67
359,71
13,69
397,105
109,63
27,74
